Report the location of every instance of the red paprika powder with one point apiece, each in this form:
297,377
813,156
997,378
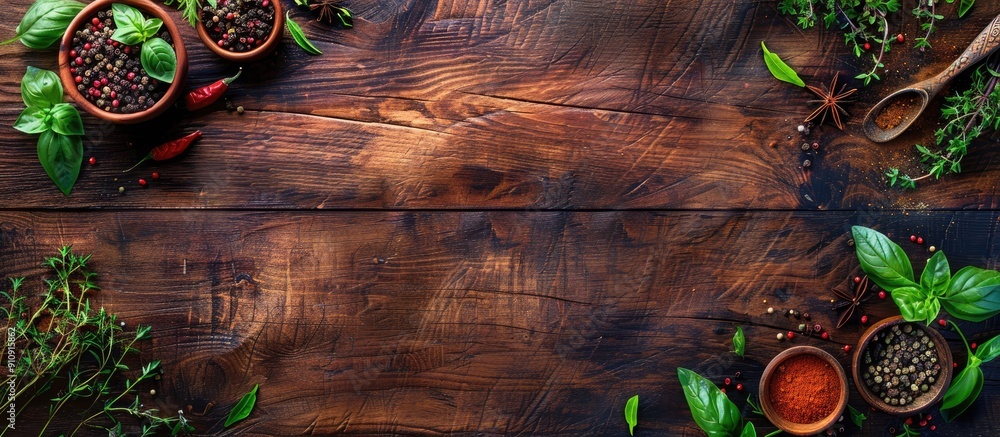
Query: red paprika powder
804,389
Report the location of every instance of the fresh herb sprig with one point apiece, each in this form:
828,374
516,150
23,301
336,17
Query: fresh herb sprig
965,387
45,22
69,353
971,294
739,342
157,56
190,9
632,413
60,148
970,114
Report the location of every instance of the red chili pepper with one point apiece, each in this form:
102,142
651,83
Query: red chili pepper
208,94
169,149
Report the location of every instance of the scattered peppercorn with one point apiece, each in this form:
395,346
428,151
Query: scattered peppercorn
739,387
857,279
152,392
738,374
932,249
942,323
881,294
790,335
825,335
913,238
920,240
973,345
900,38
142,182
155,175
781,336
807,163
770,310
121,190
92,161
817,327
847,348
727,381
864,319
868,46
239,109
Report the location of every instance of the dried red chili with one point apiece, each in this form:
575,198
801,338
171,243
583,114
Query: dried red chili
169,149
208,94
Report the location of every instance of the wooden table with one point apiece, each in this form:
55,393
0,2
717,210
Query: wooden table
496,217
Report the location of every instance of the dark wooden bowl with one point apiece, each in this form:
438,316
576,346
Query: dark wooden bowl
253,55
173,92
800,428
927,399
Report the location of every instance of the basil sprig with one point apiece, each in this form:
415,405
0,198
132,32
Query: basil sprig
60,148
739,342
711,409
299,36
965,387
45,22
157,56
779,69
972,294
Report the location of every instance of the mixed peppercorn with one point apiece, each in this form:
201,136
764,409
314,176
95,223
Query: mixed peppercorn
239,25
900,364
110,74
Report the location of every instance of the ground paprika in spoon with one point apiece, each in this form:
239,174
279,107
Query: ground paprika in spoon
804,389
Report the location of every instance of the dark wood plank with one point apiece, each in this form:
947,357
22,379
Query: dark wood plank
496,323
524,104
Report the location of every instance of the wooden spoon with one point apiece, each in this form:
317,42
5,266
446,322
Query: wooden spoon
908,103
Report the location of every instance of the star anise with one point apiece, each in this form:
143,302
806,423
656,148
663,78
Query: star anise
851,301
830,102
327,11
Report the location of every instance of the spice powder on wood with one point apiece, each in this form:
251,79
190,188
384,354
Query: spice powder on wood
804,389
898,111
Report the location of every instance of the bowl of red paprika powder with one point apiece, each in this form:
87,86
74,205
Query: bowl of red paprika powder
803,390
901,367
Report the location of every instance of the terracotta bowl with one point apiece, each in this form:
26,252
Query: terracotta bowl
176,88
786,425
925,400
253,55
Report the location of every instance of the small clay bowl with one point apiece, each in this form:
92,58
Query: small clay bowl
925,400
273,40
176,88
786,425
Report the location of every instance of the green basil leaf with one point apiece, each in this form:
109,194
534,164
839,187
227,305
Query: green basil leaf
242,408
913,303
45,22
962,392
33,120
739,341
632,413
299,36
66,119
749,430
61,157
973,294
884,261
856,416
986,352
129,24
159,59
41,88
779,69
936,274
964,7
150,27
711,409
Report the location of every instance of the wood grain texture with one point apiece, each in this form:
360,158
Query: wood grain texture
486,323
518,104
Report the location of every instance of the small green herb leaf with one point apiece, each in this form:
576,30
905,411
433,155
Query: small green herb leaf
779,69
45,22
33,120
40,88
749,430
913,303
61,157
66,119
299,36
632,413
962,392
739,341
936,274
884,261
964,7
973,294
129,24
242,408
711,409
159,59
988,351
856,416
150,27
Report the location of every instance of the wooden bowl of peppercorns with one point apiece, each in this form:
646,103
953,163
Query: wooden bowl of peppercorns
901,367
105,77
238,30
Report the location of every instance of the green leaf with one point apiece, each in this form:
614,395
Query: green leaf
779,69
33,120
299,36
150,27
856,416
66,119
711,409
129,23
884,261
936,274
739,341
986,352
159,59
61,157
40,88
632,413
242,408
45,22
973,294
964,7
915,304
749,430
962,392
